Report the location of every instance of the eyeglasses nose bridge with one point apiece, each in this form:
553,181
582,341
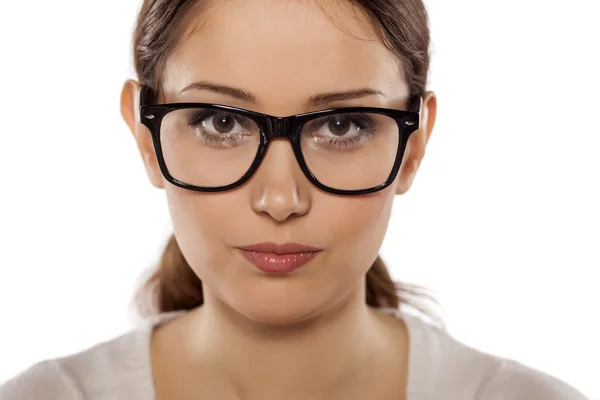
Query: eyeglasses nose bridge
280,127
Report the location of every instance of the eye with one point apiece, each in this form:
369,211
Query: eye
341,126
221,123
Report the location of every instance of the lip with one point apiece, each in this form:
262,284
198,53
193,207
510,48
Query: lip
276,258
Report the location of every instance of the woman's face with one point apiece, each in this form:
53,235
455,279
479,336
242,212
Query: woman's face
283,53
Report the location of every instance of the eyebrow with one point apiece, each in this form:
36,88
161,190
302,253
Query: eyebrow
316,100
221,89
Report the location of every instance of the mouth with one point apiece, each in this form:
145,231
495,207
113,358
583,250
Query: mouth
275,258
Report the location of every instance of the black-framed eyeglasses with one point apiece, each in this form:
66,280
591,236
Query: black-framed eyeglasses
211,148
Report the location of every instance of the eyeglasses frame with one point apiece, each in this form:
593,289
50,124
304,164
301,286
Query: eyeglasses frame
271,127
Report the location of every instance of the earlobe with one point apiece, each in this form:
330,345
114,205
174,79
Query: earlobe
415,149
129,111
407,175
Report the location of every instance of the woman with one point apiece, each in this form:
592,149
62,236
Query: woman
281,218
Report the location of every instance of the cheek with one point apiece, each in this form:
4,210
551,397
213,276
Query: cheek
201,222
357,226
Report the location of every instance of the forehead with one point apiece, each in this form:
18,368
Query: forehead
283,50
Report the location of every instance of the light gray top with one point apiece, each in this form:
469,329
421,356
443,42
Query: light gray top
440,367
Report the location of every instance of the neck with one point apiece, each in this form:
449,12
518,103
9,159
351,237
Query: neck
323,356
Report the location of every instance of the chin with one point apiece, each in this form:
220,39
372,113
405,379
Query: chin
275,316
278,305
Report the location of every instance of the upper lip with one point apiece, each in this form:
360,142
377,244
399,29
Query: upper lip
284,248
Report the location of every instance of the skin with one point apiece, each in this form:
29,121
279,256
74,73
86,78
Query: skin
310,334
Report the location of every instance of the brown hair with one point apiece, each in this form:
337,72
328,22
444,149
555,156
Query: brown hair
403,28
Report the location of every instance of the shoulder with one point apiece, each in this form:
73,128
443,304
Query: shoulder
42,380
516,381
115,369
440,364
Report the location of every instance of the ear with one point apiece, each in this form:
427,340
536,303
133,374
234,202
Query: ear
130,97
415,149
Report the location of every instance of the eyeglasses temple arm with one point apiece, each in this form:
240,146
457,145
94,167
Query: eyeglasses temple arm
146,96
417,104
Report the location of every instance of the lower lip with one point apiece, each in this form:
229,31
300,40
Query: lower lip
278,263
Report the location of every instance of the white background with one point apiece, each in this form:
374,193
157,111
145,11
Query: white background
502,223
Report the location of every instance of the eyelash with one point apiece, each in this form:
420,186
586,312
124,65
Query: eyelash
346,143
218,140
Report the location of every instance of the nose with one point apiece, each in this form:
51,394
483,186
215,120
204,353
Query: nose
279,188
